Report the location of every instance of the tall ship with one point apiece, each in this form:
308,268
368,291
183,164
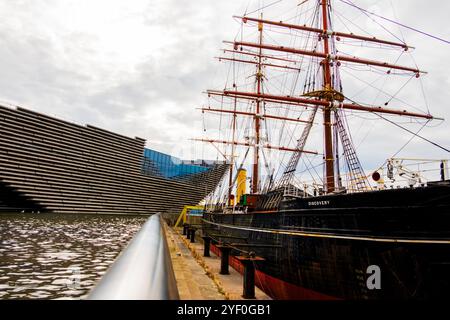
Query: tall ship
321,227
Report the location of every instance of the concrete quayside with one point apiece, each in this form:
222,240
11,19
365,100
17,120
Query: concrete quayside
162,263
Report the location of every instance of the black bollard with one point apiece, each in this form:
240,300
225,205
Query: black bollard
193,235
188,232
249,276
206,243
249,280
185,229
224,257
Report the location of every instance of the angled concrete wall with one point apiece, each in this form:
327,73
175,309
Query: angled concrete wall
53,165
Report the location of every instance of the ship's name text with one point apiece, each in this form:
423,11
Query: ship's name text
319,203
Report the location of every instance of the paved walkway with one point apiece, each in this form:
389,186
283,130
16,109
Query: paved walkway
192,281
198,277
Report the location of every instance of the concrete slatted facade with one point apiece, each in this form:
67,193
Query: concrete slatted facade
47,164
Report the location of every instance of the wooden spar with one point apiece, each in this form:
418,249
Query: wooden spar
266,100
255,55
252,114
324,56
262,64
319,103
321,31
248,144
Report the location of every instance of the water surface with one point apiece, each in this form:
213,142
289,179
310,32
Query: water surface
59,256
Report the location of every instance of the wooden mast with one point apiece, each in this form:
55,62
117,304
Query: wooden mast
259,75
230,179
329,178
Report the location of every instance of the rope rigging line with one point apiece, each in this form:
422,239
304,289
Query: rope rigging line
385,80
395,22
311,167
403,147
262,8
398,91
314,18
410,139
379,24
406,129
371,84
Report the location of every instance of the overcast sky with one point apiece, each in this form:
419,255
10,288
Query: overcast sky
139,67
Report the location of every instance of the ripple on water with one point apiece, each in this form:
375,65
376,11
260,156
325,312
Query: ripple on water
63,281
59,256
41,294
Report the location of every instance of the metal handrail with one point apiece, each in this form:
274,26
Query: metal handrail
143,271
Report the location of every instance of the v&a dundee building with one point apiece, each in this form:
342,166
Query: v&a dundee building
50,165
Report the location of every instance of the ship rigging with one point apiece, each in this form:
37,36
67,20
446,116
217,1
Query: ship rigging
319,58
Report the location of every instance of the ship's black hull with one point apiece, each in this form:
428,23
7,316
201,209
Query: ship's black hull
324,245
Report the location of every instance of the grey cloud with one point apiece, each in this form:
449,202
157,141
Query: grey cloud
52,69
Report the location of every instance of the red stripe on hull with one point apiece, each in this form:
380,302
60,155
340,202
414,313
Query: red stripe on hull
276,288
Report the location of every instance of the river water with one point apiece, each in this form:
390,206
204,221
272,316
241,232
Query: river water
51,256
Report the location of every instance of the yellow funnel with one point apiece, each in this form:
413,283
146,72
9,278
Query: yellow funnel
241,187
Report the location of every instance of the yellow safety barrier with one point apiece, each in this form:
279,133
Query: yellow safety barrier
183,214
